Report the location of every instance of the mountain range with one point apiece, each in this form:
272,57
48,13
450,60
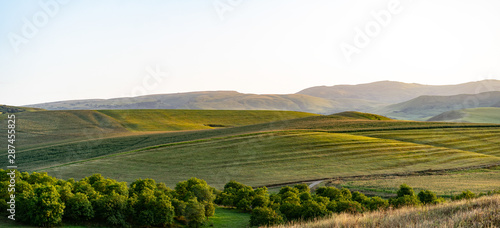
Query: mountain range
392,99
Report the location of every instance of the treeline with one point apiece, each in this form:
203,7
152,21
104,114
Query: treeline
298,203
42,200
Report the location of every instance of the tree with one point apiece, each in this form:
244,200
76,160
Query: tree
331,192
195,213
349,207
427,197
112,209
42,206
376,203
359,197
79,208
265,216
312,209
405,190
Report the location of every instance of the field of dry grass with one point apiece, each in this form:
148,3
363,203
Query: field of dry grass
481,212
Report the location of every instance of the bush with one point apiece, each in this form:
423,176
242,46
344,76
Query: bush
405,200
265,216
465,195
42,206
331,192
376,203
312,209
405,190
79,208
349,206
427,197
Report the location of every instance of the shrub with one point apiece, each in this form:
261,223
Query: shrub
405,190
265,216
427,197
376,203
349,206
78,208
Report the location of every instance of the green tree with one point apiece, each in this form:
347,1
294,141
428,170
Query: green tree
427,197
194,213
405,190
79,208
112,209
312,209
265,216
349,206
42,206
376,203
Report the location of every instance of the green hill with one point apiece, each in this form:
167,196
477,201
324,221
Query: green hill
472,115
293,149
45,128
425,107
277,157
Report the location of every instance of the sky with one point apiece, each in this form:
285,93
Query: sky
99,49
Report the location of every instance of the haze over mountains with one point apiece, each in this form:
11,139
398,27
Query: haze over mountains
393,99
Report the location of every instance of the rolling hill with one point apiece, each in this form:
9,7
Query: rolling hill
472,115
396,92
302,147
425,107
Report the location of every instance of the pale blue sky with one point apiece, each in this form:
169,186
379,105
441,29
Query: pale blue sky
102,48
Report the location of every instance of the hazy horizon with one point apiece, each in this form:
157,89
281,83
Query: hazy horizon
73,50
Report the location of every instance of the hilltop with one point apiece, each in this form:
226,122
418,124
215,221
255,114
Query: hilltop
425,107
395,92
472,115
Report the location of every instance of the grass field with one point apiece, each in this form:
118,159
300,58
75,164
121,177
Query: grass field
444,184
263,153
276,157
228,218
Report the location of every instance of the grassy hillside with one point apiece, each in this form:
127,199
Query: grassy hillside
472,115
292,149
481,212
395,92
175,120
425,107
270,158
444,184
45,128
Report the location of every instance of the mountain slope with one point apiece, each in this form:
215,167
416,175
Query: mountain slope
395,92
472,115
221,100
425,107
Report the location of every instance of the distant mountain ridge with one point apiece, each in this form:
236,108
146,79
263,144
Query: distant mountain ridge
425,107
395,92
393,99
217,100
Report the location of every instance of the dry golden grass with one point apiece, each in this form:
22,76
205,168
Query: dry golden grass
481,212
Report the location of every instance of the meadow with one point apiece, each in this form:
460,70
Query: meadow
360,151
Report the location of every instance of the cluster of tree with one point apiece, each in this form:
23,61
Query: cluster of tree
43,200
298,203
